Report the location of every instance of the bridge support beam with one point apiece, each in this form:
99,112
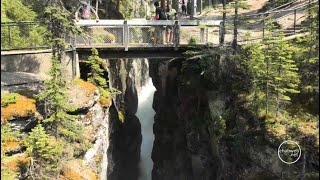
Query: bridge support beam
75,59
125,35
176,35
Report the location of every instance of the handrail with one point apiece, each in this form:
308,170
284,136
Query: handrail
283,5
285,10
148,22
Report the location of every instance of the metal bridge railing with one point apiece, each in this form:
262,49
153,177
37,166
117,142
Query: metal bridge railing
22,35
145,33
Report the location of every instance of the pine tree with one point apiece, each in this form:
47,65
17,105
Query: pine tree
282,77
254,61
59,122
308,57
95,76
44,152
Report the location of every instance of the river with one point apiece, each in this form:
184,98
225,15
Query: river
146,114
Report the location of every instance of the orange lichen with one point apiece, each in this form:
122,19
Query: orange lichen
70,174
105,101
10,146
88,87
90,175
23,107
74,170
13,163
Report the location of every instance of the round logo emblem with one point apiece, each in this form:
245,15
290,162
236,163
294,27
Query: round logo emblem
289,152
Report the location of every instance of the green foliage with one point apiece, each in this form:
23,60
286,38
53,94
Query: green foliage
59,121
95,76
9,98
121,115
255,66
192,41
59,23
307,55
282,77
21,36
15,10
8,174
7,135
45,152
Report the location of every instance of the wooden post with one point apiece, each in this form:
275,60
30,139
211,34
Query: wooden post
294,21
125,35
202,35
176,35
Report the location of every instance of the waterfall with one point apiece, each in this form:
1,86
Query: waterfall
146,114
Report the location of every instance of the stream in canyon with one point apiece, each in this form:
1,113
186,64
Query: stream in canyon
146,114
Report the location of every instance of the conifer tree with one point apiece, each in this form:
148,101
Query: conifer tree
282,77
308,57
95,76
59,121
253,60
44,152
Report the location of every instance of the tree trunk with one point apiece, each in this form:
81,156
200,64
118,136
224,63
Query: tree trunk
235,28
224,17
118,5
267,88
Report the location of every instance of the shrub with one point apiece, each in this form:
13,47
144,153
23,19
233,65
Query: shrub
9,139
7,99
121,115
192,41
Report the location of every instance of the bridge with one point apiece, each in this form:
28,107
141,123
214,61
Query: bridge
133,34
23,41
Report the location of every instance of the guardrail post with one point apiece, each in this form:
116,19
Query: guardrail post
74,56
221,33
263,27
125,35
294,21
202,35
9,37
176,35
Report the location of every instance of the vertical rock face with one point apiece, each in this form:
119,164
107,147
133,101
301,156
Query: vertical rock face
125,133
183,147
169,154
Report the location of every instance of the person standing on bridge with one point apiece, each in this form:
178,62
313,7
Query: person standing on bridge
171,16
85,11
184,8
160,15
